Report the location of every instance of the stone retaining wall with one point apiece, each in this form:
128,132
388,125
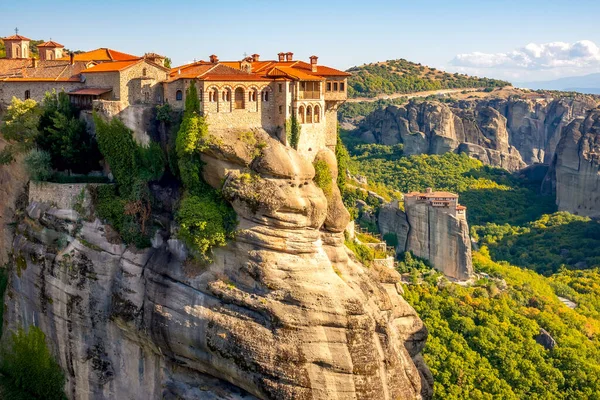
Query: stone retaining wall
61,195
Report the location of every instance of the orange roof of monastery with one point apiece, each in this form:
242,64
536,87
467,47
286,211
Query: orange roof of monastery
51,44
114,66
103,54
16,37
22,70
432,194
260,70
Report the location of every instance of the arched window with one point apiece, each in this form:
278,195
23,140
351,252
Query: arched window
27,95
301,114
18,49
265,95
212,96
147,97
317,118
226,95
239,98
51,55
200,95
179,95
144,72
309,116
252,95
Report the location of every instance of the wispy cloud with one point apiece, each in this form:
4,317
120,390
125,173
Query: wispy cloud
546,56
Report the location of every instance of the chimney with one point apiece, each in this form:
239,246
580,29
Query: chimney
428,190
255,57
72,58
313,63
289,56
214,59
34,62
281,57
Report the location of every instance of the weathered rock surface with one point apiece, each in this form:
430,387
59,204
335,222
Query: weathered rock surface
13,183
507,133
431,234
575,171
284,311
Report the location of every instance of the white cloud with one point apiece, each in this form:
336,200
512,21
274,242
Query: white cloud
547,56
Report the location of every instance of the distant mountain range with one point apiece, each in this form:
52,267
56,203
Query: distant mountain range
583,84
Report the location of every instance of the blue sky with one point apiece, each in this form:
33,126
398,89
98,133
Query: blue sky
490,36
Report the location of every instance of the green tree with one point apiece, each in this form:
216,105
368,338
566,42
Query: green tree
20,128
28,370
65,136
38,164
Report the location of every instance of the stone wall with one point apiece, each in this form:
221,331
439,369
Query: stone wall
37,90
60,195
139,89
105,80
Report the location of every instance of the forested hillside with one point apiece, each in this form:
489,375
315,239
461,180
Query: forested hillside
507,335
402,76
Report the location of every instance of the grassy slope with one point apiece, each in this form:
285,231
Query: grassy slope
402,76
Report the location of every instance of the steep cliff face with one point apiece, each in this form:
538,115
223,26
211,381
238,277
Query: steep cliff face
575,171
508,133
284,311
431,234
13,183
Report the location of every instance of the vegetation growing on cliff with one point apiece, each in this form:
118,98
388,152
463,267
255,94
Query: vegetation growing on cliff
402,76
205,219
127,207
485,190
28,370
482,341
53,127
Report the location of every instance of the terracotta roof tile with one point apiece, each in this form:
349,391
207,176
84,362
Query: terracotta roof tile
51,44
114,66
49,70
16,37
103,54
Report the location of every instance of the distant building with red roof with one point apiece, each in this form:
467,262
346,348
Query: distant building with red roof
444,201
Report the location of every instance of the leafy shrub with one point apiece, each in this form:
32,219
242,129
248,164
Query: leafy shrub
38,165
19,127
204,222
391,239
205,219
292,129
323,177
28,369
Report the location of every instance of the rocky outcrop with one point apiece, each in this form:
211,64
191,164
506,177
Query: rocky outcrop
507,133
13,183
284,311
575,172
432,234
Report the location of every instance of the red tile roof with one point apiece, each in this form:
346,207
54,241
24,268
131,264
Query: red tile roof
89,92
103,54
22,70
114,66
260,71
17,37
51,44
432,195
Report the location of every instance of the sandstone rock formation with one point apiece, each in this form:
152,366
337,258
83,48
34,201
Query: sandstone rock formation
284,311
13,183
575,171
507,133
432,234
